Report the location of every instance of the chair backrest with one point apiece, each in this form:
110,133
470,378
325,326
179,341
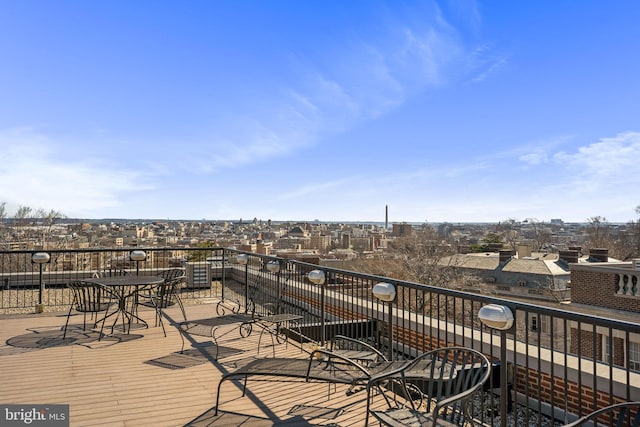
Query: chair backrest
90,297
625,414
111,272
455,374
166,293
356,349
172,273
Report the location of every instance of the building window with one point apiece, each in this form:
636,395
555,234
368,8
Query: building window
534,323
607,356
634,356
544,323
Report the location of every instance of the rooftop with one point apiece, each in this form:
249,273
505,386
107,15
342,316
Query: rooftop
121,380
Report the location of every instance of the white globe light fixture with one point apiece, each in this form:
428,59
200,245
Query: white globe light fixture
137,256
273,266
242,259
40,258
496,316
317,277
384,292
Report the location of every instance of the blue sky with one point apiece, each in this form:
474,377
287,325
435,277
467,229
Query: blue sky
455,111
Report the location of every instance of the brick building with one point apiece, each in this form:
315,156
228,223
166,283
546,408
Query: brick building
608,290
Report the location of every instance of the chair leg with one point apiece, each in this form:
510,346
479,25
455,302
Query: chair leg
182,336
184,314
159,320
159,316
66,324
104,320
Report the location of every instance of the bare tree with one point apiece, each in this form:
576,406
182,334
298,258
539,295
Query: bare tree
48,220
598,232
508,232
541,234
21,218
34,224
420,257
4,230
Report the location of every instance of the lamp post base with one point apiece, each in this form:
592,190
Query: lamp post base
39,308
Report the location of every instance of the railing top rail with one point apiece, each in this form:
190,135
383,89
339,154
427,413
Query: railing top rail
571,313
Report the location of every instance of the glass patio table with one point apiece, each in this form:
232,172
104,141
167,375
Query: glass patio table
127,288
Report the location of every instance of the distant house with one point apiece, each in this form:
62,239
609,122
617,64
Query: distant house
540,276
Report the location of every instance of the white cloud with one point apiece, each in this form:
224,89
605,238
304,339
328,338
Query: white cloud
315,189
36,175
365,80
614,158
534,158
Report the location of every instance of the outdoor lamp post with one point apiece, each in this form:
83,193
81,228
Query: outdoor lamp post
386,292
317,277
500,317
138,256
40,258
243,259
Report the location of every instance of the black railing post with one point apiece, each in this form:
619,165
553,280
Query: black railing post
40,258
41,286
323,311
243,259
224,272
318,277
501,318
504,389
246,288
386,292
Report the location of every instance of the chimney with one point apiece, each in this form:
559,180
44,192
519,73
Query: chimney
494,247
505,255
599,255
524,251
569,256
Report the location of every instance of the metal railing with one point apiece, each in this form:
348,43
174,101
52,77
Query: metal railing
552,365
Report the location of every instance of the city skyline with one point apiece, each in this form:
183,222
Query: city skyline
445,111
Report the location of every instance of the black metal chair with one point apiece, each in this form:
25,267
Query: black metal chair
90,298
164,295
323,365
625,414
447,378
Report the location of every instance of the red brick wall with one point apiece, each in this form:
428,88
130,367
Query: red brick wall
584,339
599,288
579,399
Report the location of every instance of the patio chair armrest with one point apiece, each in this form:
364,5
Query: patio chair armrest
327,356
625,407
397,373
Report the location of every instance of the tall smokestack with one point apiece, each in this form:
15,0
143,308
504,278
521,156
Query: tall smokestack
386,216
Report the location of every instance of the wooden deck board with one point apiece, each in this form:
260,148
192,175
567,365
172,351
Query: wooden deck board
108,383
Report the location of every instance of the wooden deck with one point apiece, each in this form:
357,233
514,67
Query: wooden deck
112,382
